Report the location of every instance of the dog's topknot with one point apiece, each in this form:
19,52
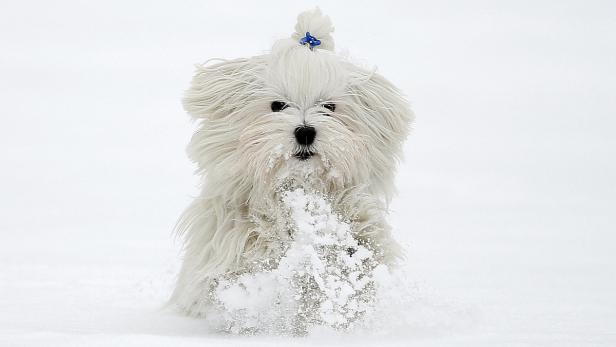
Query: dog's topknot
318,25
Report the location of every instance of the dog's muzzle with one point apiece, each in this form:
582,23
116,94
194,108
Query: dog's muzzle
304,135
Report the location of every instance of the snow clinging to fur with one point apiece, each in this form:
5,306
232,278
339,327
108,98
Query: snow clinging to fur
325,277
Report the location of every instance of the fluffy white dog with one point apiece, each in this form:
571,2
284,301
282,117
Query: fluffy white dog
300,116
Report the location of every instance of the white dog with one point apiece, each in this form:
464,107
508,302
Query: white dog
300,116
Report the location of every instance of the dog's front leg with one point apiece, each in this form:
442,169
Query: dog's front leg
215,236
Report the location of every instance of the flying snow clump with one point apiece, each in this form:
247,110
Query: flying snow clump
324,277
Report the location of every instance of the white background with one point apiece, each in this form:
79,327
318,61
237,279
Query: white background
506,199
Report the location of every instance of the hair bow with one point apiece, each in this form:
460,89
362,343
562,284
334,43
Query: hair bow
309,40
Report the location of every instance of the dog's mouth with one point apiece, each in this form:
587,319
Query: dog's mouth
303,154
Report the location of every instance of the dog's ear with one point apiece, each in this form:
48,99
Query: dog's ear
386,118
219,89
388,112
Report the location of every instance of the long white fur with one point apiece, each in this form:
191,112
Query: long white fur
244,151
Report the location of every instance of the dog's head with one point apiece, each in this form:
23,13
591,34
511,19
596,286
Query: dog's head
299,112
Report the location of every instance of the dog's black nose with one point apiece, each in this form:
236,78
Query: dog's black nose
305,135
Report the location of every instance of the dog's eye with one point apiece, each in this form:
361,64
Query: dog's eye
330,106
278,106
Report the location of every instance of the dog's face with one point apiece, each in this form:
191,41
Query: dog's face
297,113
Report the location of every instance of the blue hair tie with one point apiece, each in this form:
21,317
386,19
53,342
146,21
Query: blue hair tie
309,40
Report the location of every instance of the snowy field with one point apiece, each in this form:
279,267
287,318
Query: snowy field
507,198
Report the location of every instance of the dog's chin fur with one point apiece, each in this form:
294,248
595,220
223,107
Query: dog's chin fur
248,154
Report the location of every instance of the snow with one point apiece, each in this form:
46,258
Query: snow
323,278
506,199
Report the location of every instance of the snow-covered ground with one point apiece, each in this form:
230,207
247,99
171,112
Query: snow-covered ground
506,202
